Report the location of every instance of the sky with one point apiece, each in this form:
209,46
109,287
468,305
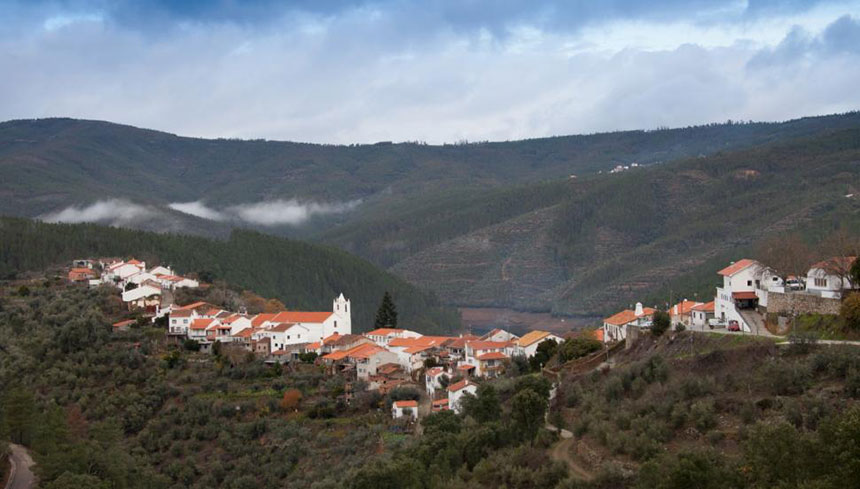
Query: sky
433,70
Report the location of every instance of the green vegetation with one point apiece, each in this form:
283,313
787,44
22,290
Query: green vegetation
745,417
303,276
386,315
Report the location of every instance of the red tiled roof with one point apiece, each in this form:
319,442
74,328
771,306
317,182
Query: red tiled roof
83,270
744,295
465,366
459,385
736,267
127,322
195,305
301,317
683,307
461,341
435,371
259,319
707,307
406,404
330,338
628,316
281,327
314,346
493,355
836,265
245,333
181,313
440,402
201,323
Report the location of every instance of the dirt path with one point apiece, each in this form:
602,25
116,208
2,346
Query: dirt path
562,451
21,477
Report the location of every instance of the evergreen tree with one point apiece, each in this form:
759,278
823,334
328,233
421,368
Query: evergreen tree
386,315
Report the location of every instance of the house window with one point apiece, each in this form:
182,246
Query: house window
345,308
821,282
335,324
749,283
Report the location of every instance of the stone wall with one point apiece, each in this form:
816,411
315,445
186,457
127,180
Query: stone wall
779,303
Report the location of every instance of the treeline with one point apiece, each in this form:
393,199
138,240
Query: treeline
301,275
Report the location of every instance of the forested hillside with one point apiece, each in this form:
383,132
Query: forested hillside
302,275
48,164
594,243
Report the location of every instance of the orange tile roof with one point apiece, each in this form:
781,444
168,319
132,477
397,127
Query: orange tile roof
127,322
598,334
259,319
684,307
532,337
465,366
181,313
836,265
744,295
628,316
314,346
459,385
201,323
440,402
362,351
83,270
435,371
195,305
417,349
493,355
281,327
134,262
245,333
301,317
406,404
707,307
330,338
736,267
461,341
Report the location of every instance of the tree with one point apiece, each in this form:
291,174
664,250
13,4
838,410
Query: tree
19,409
291,399
545,350
788,255
850,311
386,315
574,348
485,406
854,273
527,412
661,323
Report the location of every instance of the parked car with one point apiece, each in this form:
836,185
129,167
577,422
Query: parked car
792,283
734,325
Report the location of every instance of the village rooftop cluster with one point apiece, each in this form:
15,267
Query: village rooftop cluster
751,295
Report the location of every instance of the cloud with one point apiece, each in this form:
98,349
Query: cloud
115,212
269,213
198,209
289,212
440,71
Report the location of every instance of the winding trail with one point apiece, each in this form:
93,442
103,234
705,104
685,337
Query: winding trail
21,477
562,452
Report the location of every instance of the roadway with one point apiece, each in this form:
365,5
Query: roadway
21,475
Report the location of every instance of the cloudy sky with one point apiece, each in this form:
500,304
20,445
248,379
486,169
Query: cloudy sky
433,70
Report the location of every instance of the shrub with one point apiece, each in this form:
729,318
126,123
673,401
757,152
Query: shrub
578,347
191,345
661,323
703,415
850,311
802,343
291,399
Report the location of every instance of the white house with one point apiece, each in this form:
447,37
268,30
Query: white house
382,336
367,358
615,327
830,278
682,313
499,335
488,357
701,313
173,282
122,270
141,277
143,296
161,270
742,288
527,345
198,329
433,380
401,409
180,321
319,325
457,391
283,334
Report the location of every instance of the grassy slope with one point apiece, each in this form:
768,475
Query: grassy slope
302,275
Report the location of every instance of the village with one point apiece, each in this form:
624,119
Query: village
753,299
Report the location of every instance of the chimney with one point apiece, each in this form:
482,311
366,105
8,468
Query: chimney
638,309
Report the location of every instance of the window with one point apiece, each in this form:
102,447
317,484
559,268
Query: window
749,283
335,324
821,282
345,308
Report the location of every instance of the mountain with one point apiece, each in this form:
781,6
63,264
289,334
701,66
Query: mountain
536,225
590,244
302,275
